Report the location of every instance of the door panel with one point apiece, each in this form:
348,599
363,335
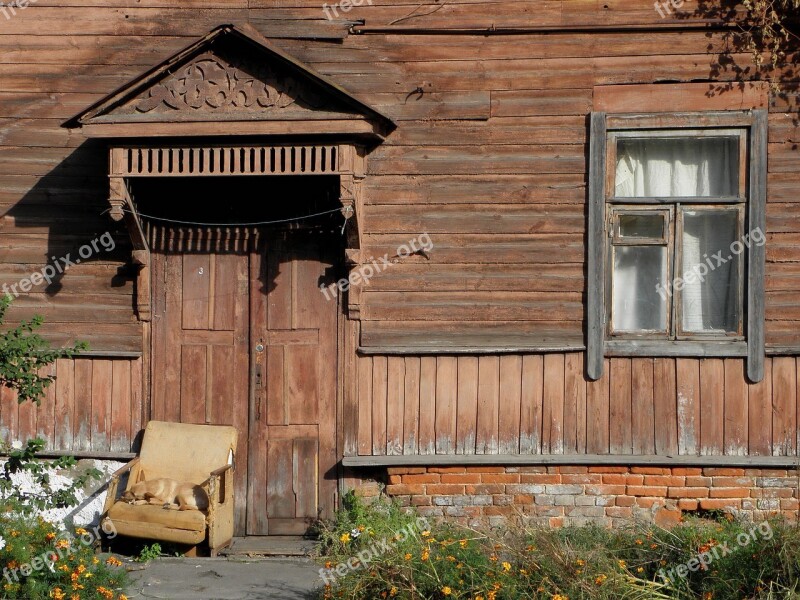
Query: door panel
200,339
293,427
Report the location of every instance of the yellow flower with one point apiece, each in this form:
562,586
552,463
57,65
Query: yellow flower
361,528
640,570
621,564
493,558
344,538
62,544
14,533
451,558
105,592
506,566
80,568
463,543
601,579
113,561
639,542
81,531
58,594
393,591
122,597
446,591
407,556
426,533
560,597
50,537
580,562
425,555
95,560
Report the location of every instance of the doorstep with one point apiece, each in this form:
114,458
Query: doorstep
270,545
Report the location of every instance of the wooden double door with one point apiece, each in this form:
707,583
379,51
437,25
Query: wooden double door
243,336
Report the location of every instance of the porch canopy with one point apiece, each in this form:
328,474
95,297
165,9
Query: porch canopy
232,104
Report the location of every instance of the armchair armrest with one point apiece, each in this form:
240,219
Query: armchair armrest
113,484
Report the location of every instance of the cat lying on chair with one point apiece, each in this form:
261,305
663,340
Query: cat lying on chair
167,493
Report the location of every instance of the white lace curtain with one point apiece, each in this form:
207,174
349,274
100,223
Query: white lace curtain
669,167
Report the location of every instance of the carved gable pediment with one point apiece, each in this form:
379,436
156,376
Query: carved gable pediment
231,75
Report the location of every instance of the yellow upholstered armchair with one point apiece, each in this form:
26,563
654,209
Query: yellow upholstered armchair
198,454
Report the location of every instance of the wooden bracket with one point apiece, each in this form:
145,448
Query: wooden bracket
351,196
124,209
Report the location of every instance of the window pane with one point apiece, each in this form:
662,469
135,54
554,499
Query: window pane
709,289
641,226
677,167
639,272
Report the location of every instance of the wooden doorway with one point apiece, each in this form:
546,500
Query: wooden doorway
242,335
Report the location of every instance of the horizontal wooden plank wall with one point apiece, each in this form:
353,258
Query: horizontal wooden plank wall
542,404
489,159
94,405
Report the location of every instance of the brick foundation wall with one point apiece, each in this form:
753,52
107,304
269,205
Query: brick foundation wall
610,496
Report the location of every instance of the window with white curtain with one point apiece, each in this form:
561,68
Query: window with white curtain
674,214
676,236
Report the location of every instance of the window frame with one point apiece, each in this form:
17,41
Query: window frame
751,127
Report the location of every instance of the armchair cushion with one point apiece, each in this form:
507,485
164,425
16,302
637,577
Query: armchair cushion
149,521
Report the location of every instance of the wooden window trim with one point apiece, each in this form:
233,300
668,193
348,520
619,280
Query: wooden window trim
597,347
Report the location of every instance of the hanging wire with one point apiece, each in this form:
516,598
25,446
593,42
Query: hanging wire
348,210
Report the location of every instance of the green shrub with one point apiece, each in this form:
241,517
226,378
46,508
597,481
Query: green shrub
571,563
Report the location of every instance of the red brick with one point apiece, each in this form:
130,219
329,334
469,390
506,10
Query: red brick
420,500
394,479
790,504
729,493
686,471
444,489
585,478
405,470
404,490
688,492
618,479
486,469
649,471
619,511
422,478
698,481
717,504
500,478
604,470
556,522
574,470
485,488
447,470
461,478
492,511
667,518
668,480
605,490
715,471
539,478
686,504
733,482
532,469
523,499
645,502
644,490
625,501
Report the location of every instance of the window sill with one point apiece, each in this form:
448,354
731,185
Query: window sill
675,348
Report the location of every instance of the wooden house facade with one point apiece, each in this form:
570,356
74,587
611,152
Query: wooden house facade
537,258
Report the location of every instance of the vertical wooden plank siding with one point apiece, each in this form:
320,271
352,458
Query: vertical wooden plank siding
620,406
395,402
467,414
94,405
530,422
446,394
544,404
643,422
688,381
486,435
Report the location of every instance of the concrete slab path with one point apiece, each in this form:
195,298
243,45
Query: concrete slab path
225,579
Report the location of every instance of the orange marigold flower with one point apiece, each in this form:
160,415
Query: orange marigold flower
600,580
446,590
506,566
81,531
407,556
50,537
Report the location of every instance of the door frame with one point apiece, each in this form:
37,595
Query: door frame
130,161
